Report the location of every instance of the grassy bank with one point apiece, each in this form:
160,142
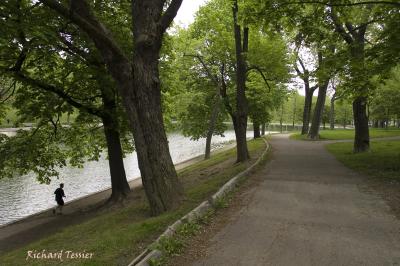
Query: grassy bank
383,161
116,236
339,134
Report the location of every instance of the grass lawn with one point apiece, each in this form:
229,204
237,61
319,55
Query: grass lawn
117,236
339,134
383,161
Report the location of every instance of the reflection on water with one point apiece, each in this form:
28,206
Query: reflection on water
23,196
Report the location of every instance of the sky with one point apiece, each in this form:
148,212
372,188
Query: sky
187,11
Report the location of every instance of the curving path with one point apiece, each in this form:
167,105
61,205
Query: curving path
307,210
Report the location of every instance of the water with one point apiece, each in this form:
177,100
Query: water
23,196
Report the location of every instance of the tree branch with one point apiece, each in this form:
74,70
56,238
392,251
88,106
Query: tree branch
80,14
170,14
313,88
223,92
72,49
262,75
59,92
339,27
13,87
210,75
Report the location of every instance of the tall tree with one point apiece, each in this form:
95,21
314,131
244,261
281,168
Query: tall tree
139,86
304,74
355,37
214,58
240,116
323,76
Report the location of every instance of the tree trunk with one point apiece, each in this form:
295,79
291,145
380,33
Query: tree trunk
207,153
361,140
332,113
263,129
240,122
163,189
359,76
307,110
119,185
318,111
323,82
211,127
256,129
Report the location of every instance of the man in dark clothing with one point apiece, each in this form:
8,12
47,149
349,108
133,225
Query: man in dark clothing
59,199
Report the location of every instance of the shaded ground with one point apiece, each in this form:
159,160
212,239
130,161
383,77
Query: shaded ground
304,208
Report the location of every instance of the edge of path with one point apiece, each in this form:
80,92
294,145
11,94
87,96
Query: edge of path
150,254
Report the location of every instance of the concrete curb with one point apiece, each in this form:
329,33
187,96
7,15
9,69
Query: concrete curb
150,254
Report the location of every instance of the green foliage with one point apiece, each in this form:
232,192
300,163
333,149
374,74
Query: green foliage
194,120
19,159
58,74
385,102
211,37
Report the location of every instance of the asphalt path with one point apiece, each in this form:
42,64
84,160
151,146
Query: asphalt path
308,209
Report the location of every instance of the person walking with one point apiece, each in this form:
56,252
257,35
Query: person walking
59,199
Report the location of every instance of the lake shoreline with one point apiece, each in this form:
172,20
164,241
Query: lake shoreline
83,203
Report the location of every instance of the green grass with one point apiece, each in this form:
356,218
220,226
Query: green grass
116,237
339,134
383,161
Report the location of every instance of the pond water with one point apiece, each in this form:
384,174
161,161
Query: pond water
23,196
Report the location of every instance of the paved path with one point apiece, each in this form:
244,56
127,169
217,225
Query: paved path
308,210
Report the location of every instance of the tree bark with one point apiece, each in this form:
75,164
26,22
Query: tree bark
308,91
332,113
361,140
323,82
307,110
163,189
256,129
119,185
263,129
240,121
211,127
318,111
